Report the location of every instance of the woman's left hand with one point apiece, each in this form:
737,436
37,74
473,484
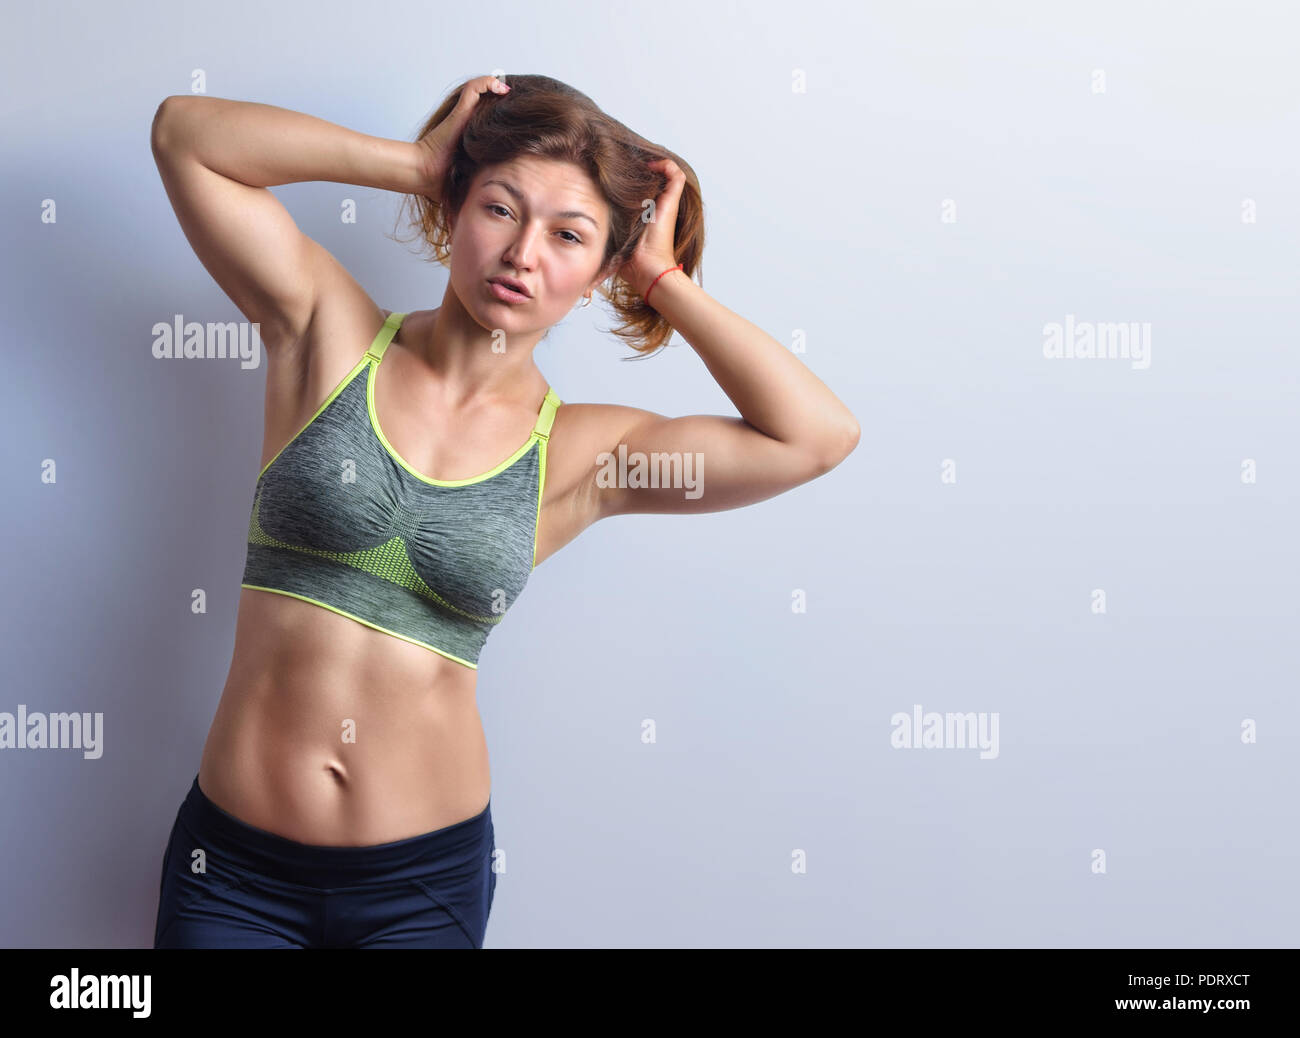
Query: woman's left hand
654,251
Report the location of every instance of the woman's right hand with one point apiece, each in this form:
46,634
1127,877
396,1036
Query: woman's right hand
439,144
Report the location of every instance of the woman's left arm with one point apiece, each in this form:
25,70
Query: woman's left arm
792,427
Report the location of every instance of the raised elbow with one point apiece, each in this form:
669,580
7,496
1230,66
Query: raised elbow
162,119
851,436
840,447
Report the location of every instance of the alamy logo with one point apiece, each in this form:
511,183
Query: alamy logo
40,731
1087,341
191,340
934,731
125,991
653,470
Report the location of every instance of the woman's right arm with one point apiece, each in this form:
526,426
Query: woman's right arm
218,157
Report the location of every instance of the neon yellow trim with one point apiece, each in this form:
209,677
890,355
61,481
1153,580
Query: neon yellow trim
381,340
351,616
550,404
328,400
374,422
389,561
541,483
385,335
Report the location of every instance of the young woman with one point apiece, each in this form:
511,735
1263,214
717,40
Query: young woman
416,467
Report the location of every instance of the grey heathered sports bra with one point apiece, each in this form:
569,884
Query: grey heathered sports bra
340,520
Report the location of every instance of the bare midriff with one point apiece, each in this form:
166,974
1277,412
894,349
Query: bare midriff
329,732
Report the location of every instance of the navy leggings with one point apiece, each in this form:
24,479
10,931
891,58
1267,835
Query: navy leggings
260,890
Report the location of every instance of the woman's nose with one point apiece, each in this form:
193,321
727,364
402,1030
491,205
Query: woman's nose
520,252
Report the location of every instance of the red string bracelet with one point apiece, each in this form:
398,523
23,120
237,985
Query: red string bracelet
656,281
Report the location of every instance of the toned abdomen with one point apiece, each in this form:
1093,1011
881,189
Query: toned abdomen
331,733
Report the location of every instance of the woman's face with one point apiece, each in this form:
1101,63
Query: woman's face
539,221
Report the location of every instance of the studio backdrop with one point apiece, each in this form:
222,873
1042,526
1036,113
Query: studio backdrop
1020,672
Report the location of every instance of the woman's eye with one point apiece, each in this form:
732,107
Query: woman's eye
573,239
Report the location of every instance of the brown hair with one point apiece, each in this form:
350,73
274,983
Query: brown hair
543,117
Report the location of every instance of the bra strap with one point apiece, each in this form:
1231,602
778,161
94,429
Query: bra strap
385,336
550,404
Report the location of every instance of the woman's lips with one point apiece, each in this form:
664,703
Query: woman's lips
507,295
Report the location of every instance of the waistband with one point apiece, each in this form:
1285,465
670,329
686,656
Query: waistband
459,849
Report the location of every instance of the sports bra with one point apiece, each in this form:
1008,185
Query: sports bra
340,520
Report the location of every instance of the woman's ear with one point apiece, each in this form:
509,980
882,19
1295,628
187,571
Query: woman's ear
605,272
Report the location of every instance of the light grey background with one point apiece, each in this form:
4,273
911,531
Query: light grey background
1119,732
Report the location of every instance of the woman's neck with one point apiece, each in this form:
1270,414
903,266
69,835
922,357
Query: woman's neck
461,353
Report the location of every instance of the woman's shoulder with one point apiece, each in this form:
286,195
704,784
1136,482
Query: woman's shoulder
582,432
